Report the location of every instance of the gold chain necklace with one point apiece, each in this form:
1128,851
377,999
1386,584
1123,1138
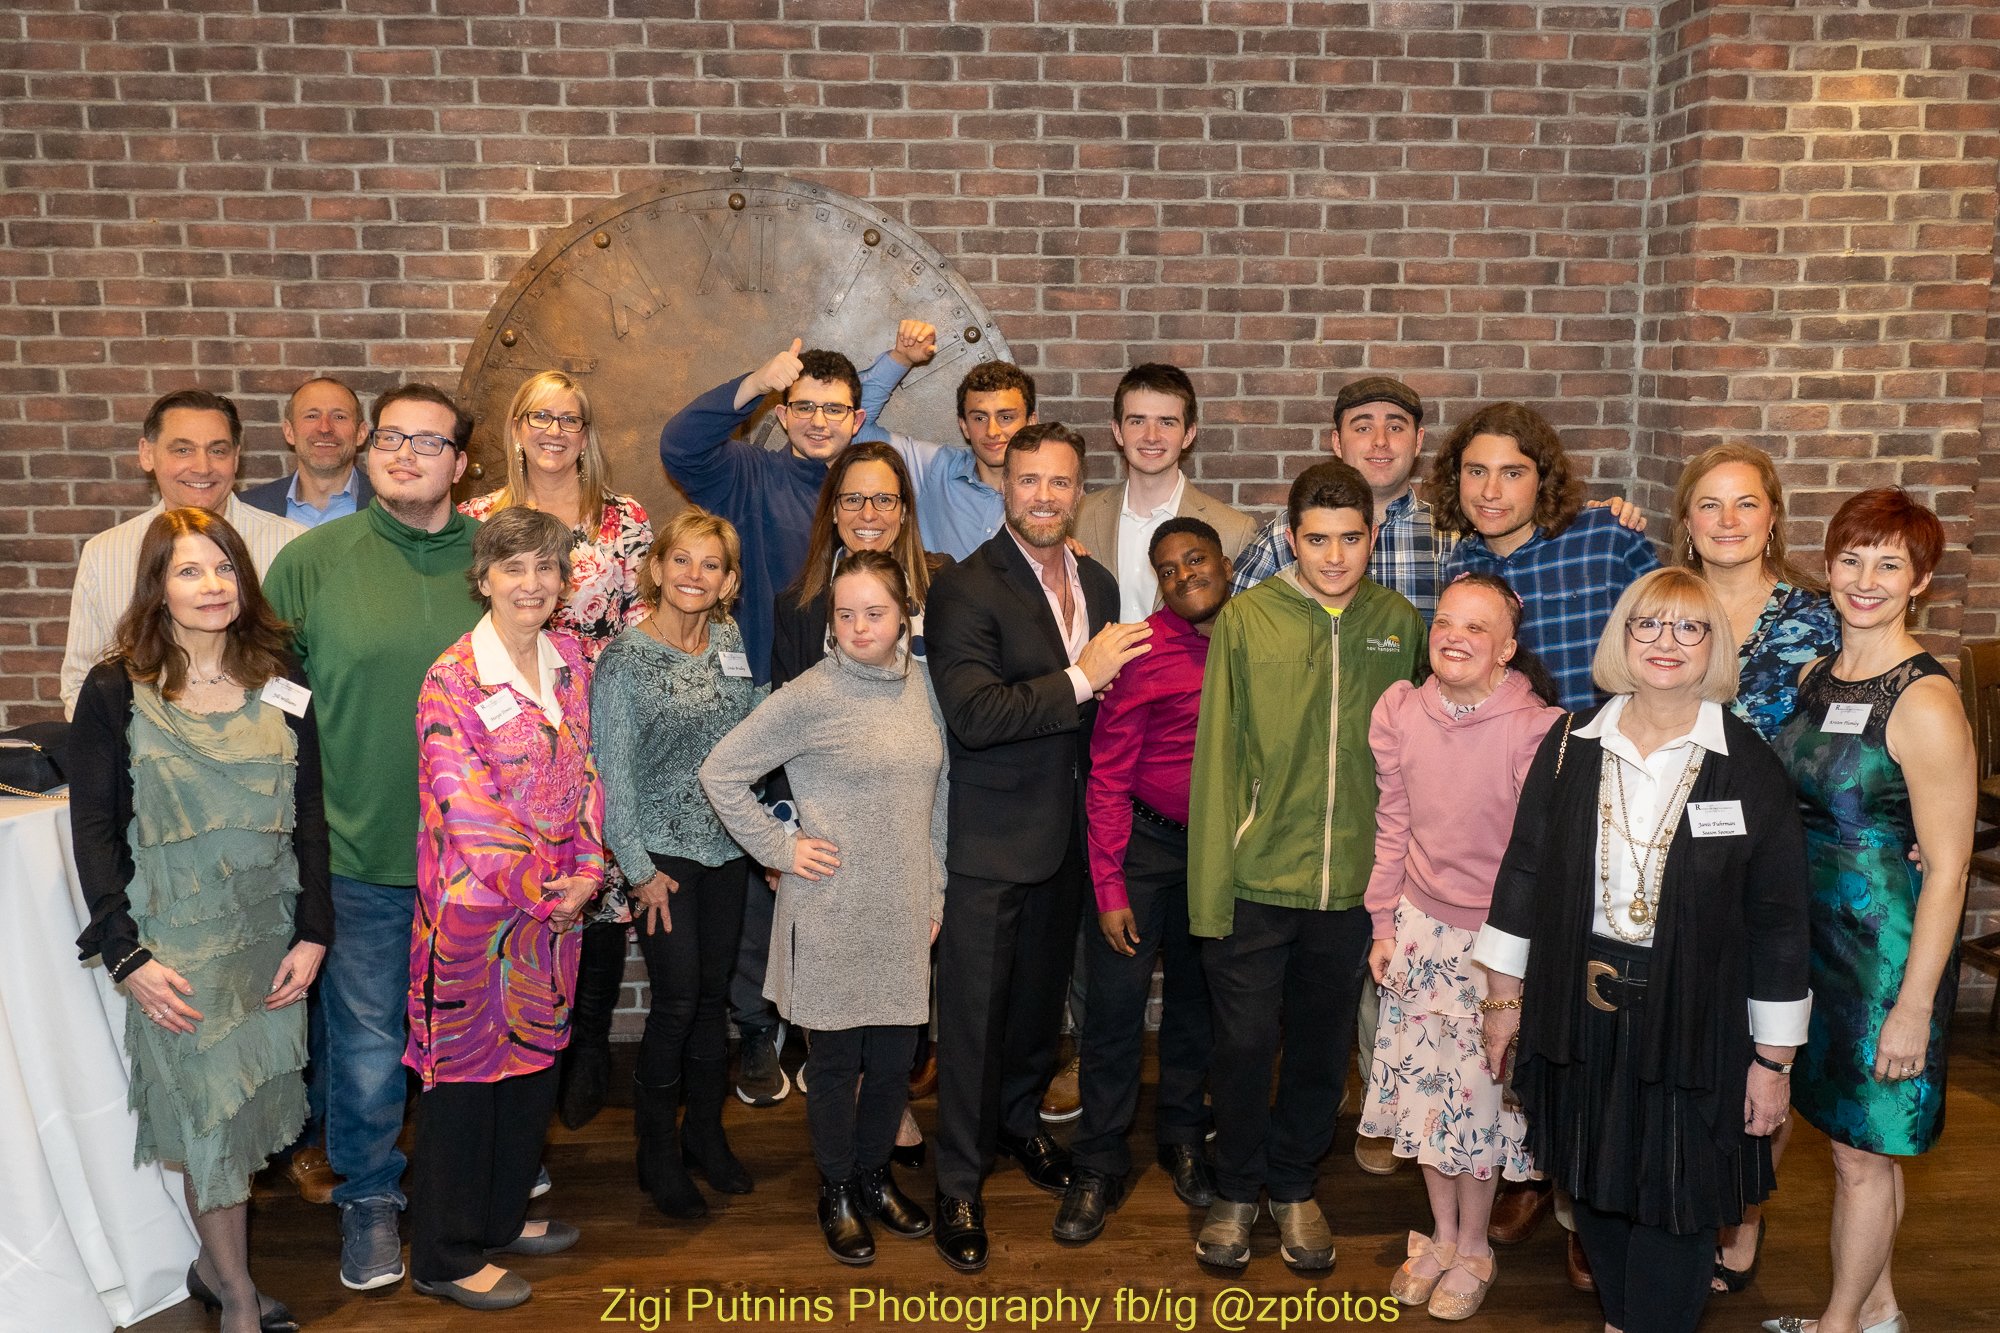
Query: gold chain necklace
1648,855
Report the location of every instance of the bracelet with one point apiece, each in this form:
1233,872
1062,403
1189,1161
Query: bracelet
1775,1066
1488,1006
129,964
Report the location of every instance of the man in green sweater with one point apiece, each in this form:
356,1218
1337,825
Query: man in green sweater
373,599
1281,841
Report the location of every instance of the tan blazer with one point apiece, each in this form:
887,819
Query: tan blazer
1097,523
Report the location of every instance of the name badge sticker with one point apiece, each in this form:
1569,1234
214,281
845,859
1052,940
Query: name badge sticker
735,664
496,710
286,695
1716,819
1851,719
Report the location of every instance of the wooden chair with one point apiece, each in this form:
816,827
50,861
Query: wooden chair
1979,685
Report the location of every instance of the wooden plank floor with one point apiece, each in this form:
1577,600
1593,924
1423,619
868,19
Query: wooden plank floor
766,1245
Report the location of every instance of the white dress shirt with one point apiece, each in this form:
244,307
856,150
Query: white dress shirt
108,569
1138,586
496,668
1650,782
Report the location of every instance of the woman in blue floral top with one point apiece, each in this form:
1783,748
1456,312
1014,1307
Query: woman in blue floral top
1729,527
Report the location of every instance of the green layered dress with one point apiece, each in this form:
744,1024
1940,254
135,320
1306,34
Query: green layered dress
213,890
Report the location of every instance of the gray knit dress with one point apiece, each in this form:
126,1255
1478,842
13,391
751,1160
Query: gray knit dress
864,749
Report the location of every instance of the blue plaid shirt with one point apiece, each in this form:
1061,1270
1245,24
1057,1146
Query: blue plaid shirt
1408,551
1568,585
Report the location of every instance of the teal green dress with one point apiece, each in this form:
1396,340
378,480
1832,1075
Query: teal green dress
213,889
1859,832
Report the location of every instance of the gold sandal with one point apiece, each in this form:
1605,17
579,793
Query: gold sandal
1464,1304
1410,1287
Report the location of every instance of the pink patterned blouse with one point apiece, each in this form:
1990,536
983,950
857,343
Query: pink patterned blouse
505,810
603,593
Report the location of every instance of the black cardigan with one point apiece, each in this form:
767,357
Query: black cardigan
1732,924
100,813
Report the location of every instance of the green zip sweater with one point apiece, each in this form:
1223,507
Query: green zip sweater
1282,807
373,603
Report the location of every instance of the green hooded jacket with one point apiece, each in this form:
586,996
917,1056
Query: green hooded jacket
1282,807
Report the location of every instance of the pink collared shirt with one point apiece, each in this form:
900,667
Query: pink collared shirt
1074,634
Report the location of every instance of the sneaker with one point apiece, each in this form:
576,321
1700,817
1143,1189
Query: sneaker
542,1184
371,1249
760,1078
1064,1099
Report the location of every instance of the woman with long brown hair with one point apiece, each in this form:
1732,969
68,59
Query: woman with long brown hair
201,843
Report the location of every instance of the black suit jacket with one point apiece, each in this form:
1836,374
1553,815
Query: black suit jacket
1019,741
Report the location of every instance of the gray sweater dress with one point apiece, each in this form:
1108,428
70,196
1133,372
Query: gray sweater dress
864,749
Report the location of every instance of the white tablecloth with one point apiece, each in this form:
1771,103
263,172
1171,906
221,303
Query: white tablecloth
87,1241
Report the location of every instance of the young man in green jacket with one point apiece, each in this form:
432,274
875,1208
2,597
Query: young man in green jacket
1281,840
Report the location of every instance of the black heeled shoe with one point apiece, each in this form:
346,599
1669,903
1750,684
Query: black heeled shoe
910,1156
273,1318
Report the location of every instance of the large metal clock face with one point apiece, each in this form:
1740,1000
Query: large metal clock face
669,291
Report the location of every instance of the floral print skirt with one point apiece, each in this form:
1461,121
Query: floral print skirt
1426,1090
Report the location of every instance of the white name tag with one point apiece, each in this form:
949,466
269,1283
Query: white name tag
496,710
286,695
1849,718
1716,819
735,664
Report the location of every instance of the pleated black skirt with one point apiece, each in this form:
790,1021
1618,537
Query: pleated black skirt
1646,1151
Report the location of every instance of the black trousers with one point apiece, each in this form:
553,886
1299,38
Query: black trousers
689,967
1003,965
478,1148
1649,1280
1296,973
1114,1026
860,1081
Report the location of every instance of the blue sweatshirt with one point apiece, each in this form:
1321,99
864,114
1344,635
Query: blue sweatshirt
769,494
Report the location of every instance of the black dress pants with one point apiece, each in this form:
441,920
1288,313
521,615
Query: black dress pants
860,1081
1292,972
689,967
1003,965
478,1148
1114,1026
1649,1279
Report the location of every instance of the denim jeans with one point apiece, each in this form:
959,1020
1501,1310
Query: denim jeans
364,999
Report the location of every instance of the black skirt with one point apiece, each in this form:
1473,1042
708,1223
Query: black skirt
1662,1156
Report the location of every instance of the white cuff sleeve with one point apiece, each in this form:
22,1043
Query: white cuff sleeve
1081,684
1780,1022
1497,951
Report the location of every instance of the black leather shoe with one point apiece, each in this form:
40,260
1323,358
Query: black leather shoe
274,1317
960,1235
1045,1161
909,1155
847,1236
1193,1177
1091,1196
883,1201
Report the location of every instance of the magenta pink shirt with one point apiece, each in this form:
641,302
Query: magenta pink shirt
503,812
1448,788
1142,745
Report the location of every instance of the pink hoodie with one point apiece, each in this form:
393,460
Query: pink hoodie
1448,792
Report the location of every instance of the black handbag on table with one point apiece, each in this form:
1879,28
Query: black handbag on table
31,759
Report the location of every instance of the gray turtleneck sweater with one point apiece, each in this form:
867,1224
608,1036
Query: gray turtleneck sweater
864,749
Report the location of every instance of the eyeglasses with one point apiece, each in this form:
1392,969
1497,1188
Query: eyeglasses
852,502
569,423
835,413
1646,629
392,441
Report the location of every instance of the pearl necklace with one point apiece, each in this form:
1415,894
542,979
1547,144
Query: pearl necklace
1648,854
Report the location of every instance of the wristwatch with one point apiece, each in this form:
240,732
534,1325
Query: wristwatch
1775,1066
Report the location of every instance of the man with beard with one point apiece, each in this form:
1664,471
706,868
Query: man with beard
322,425
373,599
1021,642
1141,762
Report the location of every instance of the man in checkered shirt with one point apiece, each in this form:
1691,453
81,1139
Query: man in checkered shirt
1503,484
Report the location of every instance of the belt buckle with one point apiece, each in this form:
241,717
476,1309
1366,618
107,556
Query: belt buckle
1593,972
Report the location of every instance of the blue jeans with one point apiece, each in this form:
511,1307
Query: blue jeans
364,996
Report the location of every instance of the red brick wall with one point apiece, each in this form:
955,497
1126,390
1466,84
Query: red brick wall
1664,224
